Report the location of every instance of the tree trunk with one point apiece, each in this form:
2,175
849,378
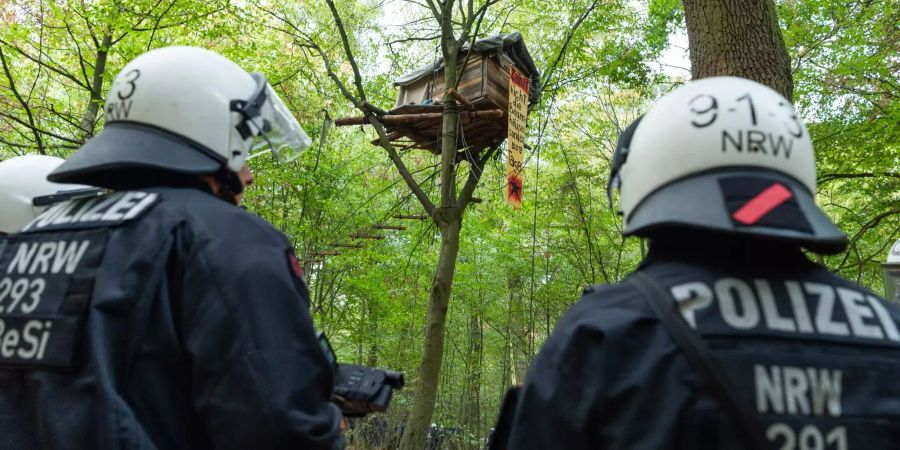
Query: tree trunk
433,349
90,115
738,38
519,331
449,219
506,377
372,332
472,413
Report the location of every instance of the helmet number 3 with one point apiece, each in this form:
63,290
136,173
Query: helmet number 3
121,108
705,110
130,78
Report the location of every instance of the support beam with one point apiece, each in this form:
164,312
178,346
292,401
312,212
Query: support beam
390,137
379,226
459,98
336,244
394,119
376,237
410,217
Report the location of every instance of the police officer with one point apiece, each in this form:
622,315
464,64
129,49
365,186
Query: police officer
161,315
727,336
891,271
23,179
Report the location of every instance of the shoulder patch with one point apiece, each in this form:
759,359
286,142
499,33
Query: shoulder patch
93,212
297,275
295,264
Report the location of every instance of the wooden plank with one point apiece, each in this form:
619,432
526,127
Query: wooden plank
337,244
470,77
485,64
419,134
413,93
327,253
410,216
377,237
417,109
380,226
374,109
414,118
498,74
459,98
498,96
347,121
476,79
390,137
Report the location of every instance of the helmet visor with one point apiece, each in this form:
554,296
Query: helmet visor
271,124
891,281
279,131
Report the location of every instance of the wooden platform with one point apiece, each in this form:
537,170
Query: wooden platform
481,127
483,99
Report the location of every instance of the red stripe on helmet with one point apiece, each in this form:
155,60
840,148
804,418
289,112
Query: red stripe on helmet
767,200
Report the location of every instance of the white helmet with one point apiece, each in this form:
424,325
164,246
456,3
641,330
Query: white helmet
891,270
23,179
185,110
725,154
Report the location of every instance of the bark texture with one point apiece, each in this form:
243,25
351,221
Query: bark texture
738,38
90,115
449,219
474,353
422,409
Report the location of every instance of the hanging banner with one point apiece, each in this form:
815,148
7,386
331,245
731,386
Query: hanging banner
517,117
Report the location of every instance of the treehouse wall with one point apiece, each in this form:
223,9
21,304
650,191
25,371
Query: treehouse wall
484,82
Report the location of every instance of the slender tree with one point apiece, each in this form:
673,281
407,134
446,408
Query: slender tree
458,23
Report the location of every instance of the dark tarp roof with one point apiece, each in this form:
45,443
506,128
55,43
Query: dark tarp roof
512,45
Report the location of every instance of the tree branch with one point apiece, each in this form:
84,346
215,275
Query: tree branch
435,11
23,103
36,129
89,120
465,36
828,177
865,228
569,35
361,104
476,169
357,78
401,167
413,39
156,25
57,70
80,54
332,74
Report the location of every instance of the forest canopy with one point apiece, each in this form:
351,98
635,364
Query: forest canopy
517,270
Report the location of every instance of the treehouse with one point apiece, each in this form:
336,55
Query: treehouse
482,96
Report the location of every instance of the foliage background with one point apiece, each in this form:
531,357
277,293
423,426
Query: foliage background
518,270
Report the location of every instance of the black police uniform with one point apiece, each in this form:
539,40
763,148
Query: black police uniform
817,357
164,318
